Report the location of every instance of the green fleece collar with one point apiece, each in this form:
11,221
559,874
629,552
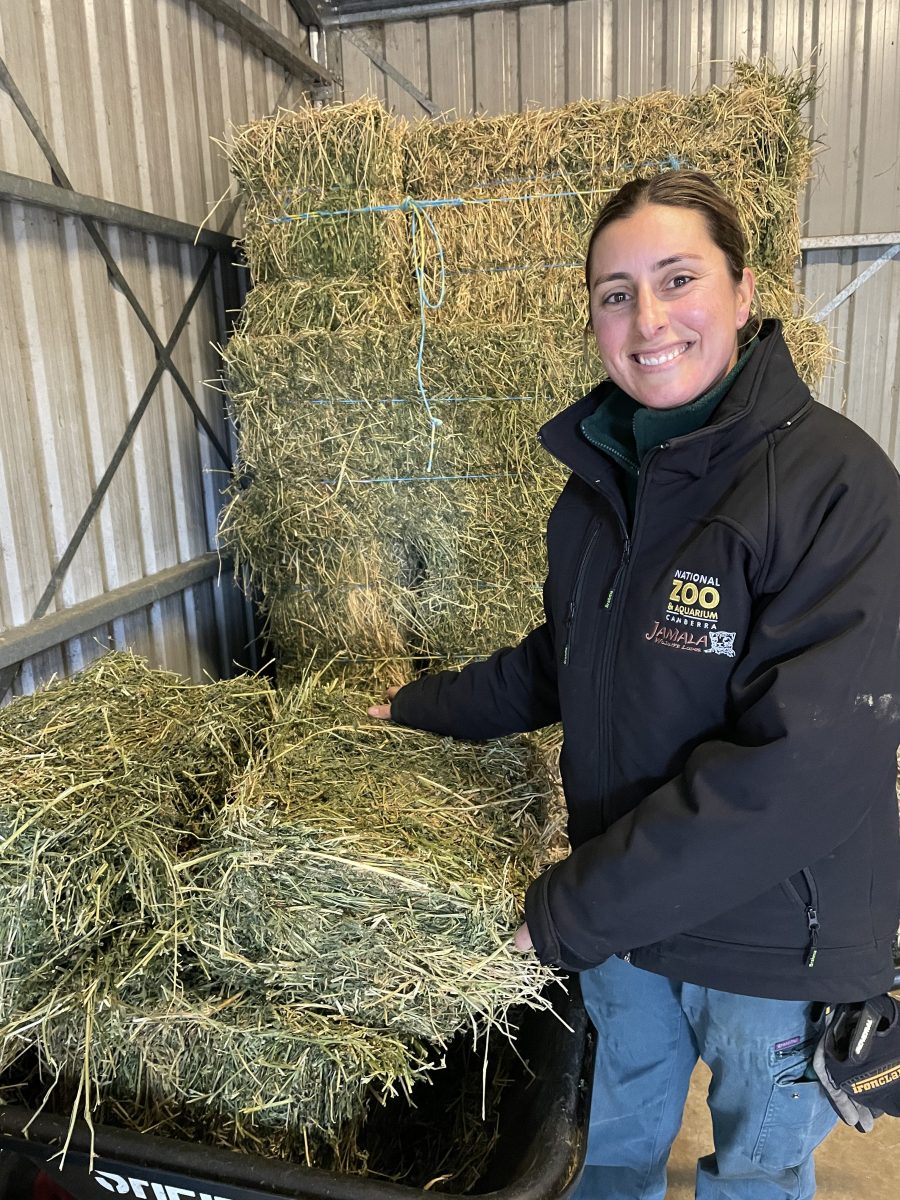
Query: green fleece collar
626,430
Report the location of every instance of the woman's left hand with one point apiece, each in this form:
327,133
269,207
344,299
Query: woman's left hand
523,939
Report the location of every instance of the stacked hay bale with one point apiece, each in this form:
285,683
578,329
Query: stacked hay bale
235,915
393,496
104,779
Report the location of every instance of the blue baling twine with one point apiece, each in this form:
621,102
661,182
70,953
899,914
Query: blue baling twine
418,211
426,303
410,205
406,399
423,478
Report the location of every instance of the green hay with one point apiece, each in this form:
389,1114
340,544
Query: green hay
106,777
379,362
137,1038
448,567
424,567
335,158
269,905
377,870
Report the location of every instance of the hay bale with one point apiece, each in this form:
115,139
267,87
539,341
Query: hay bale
350,514
333,159
544,174
135,1036
378,362
105,778
353,567
237,915
375,870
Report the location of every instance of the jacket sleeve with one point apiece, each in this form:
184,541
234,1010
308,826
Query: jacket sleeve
815,693
513,691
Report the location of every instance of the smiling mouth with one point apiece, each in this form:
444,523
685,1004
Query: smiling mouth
660,359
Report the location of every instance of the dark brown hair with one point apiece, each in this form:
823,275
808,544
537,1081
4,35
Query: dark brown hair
679,189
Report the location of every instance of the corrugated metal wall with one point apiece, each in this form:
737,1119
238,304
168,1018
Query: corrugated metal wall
549,54
129,94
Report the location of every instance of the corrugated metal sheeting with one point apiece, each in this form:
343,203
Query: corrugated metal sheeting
548,54
129,93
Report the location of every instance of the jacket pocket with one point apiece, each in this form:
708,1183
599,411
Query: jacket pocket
586,613
774,920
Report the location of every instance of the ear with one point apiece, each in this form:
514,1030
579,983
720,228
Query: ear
746,290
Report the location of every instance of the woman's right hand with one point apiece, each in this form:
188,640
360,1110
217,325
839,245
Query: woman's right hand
383,711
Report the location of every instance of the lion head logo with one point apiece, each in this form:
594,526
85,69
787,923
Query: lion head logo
721,643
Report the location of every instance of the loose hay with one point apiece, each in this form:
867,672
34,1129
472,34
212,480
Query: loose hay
372,530
266,908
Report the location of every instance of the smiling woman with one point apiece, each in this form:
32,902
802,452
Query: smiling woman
669,289
720,590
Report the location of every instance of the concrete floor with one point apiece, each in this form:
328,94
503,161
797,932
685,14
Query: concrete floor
849,1166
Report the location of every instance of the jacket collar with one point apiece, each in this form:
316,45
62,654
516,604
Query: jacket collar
767,393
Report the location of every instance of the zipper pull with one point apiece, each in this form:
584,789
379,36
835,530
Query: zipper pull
570,616
626,551
812,920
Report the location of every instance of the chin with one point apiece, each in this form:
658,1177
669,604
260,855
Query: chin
673,399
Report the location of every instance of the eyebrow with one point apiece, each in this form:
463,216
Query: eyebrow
663,262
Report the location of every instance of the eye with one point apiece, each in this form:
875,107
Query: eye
614,298
679,281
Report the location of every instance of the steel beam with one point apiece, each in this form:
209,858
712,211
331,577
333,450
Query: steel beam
38,636
846,241
76,204
309,12
265,37
409,12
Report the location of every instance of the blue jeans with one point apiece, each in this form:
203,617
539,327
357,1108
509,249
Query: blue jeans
768,1117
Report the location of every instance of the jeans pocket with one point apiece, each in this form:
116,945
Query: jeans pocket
798,1117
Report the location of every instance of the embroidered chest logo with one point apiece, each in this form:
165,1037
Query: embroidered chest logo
691,617
721,643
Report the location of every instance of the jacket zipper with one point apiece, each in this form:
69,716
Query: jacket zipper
576,590
811,908
623,562
613,604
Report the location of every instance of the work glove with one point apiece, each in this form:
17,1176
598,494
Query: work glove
857,1060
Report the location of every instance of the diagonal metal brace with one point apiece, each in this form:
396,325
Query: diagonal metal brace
61,180
855,284
8,675
392,73
65,560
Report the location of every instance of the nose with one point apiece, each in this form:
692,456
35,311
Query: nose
650,313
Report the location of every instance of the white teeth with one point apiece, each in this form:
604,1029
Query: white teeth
647,360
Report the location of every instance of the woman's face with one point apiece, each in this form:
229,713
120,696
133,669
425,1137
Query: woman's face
664,307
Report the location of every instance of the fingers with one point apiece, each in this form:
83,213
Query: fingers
523,939
383,711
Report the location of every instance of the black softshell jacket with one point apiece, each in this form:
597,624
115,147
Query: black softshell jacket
726,672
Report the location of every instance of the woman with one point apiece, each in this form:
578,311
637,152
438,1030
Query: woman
720,645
